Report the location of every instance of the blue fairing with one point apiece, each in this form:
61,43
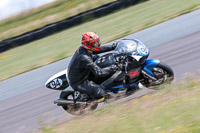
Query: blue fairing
116,88
142,49
149,65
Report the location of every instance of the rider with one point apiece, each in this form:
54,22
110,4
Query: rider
82,63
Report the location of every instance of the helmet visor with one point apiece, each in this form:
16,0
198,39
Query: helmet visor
96,44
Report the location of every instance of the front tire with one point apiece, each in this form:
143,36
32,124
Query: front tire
163,73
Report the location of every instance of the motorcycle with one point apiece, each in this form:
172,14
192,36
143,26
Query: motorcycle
134,69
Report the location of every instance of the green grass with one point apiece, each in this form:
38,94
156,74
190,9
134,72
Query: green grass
174,109
110,27
41,16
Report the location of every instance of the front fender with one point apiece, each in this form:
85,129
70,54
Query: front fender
149,65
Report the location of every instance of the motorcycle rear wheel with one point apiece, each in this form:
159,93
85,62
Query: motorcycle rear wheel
76,108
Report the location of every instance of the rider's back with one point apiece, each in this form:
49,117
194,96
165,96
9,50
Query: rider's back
77,70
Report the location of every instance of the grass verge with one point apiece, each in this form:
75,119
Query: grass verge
41,16
110,27
174,109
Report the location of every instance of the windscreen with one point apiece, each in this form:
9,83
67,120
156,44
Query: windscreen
126,47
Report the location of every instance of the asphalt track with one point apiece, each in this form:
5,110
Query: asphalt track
25,104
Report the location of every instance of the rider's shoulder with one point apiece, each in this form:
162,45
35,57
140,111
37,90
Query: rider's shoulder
85,57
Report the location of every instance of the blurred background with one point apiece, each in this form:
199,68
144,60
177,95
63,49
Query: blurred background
11,7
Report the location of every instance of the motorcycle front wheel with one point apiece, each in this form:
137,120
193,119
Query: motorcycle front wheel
163,74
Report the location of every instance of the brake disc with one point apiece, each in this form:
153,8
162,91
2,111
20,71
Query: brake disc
160,75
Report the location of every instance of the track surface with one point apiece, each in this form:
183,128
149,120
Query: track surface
25,101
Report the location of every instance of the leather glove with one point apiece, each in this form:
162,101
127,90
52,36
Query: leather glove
114,45
120,62
120,66
113,68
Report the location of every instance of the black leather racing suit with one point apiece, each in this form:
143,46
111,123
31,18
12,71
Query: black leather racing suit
80,66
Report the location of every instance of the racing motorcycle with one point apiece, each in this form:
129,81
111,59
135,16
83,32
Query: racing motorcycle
134,68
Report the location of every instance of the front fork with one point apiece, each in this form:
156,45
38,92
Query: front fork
147,70
146,75
147,67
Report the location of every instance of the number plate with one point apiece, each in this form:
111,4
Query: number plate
56,83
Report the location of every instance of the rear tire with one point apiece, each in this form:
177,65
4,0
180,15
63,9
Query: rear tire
76,108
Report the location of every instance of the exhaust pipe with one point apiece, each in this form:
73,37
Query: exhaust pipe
61,101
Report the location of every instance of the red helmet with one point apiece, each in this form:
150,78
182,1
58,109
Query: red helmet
91,41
